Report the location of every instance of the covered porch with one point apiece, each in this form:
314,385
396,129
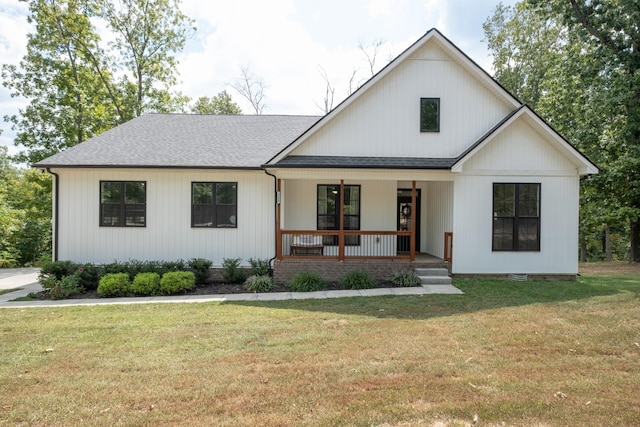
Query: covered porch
405,221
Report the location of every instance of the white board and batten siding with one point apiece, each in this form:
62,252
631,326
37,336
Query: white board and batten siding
385,120
517,155
168,234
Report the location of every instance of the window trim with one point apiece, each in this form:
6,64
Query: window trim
122,204
424,129
516,217
214,206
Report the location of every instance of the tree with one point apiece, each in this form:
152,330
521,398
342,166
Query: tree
251,88
554,69
75,87
65,94
219,104
610,28
25,214
329,92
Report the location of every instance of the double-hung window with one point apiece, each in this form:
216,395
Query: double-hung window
123,203
214,204
329,211
516,217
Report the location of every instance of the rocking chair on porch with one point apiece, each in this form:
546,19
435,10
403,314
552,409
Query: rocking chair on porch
307,244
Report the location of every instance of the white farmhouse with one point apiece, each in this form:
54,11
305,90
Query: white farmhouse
430,161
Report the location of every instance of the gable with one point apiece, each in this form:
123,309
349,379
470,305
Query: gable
382,119
523,147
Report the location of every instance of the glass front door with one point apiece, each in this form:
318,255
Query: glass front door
405,211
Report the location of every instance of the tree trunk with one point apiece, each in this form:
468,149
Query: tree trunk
635,241
583,248
608,253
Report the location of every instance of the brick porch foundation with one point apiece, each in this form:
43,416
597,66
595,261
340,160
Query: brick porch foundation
334,270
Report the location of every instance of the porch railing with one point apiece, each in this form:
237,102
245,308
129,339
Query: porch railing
348,244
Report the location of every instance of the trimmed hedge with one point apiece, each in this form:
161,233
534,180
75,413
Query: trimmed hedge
114,285
177,282
146,284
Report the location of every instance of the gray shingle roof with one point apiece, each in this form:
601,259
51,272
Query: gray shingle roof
186,140
365,162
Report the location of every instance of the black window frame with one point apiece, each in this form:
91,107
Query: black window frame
424,126
122,208
351,220
214,207
520,221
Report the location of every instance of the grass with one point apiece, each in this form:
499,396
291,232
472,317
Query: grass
529,354
6,291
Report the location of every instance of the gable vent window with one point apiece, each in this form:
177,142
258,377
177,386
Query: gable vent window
429,114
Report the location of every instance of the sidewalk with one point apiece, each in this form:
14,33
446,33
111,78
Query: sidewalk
27,282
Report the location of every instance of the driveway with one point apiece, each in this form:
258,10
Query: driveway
11,278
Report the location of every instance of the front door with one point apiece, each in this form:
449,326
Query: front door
405,212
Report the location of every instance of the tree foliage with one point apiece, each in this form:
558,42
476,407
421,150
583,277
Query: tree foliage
219,104
25,214
77,85
576,62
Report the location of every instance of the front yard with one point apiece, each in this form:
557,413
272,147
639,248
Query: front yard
532,353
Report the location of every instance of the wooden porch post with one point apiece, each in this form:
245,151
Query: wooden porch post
412,244
341,214
278,225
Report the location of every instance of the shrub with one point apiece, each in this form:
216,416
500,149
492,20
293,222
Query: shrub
146,284
89,276
200,268
231,271
357,279
307,281
404,277
178,265
47,281
177,282
259,283
59,269
259,267
114,285
68,286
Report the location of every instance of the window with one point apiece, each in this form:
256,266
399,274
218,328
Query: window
214,204
123,203
329,215
516,217
429,114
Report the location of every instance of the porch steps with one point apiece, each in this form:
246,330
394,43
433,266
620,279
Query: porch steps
433,276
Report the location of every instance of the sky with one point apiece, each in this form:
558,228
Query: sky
287,44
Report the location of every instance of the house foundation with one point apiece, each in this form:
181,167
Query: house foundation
333,270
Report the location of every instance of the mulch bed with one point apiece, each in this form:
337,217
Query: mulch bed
212,289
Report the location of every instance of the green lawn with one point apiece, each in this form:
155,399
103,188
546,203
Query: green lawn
533,353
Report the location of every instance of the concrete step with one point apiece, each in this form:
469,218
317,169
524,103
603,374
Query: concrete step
434,276
432,272
435,280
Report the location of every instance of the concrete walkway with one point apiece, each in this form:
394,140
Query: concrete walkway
25,282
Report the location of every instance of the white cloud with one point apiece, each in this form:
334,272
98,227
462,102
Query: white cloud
377,8
284,42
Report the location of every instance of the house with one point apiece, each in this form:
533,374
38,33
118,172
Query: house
430,161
